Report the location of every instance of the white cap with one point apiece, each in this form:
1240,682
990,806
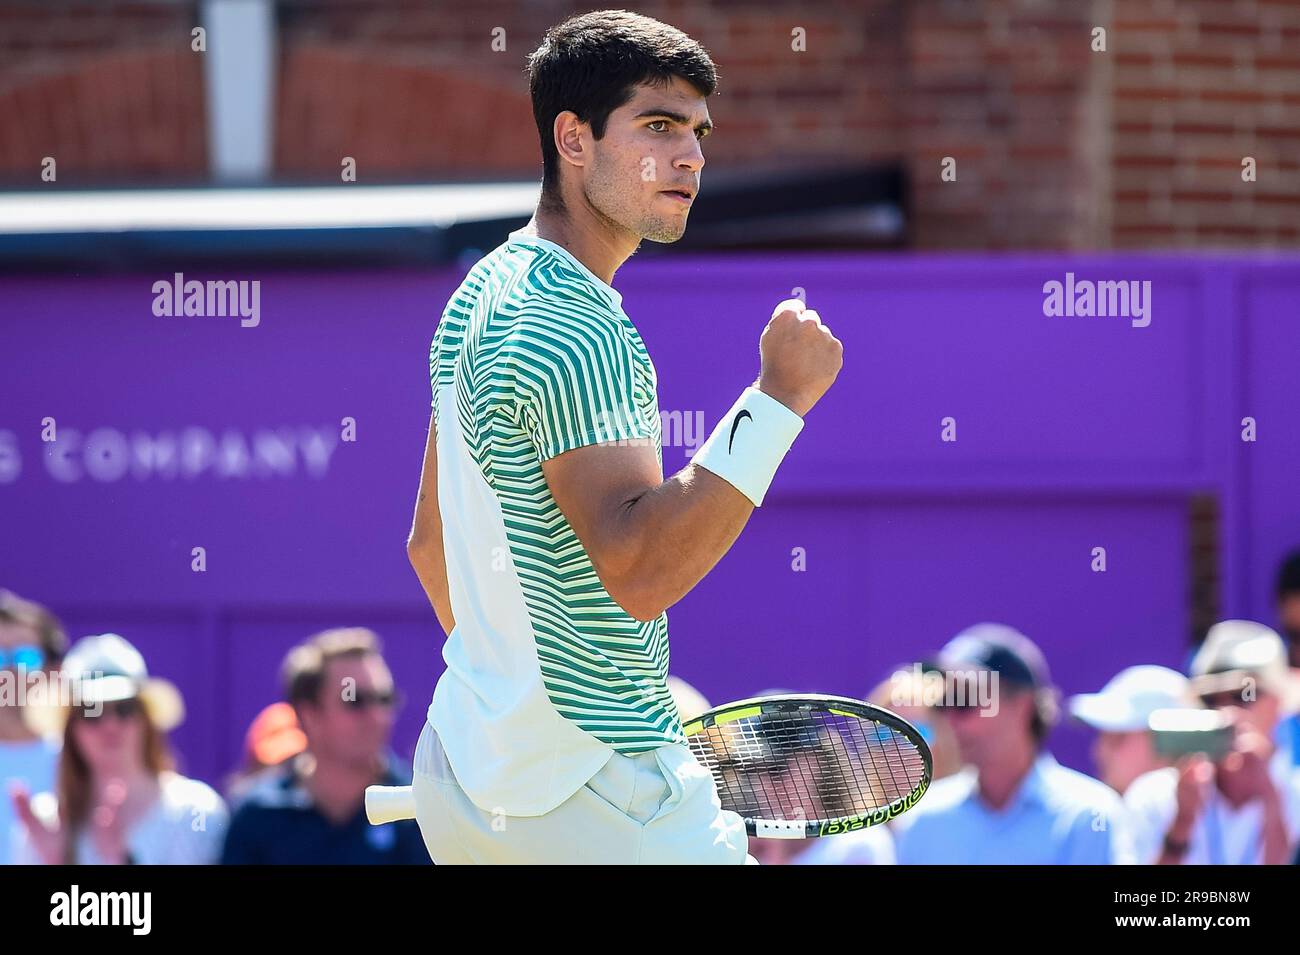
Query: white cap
1132,695
106,668
1235,650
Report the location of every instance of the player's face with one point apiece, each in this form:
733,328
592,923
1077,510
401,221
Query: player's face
651,147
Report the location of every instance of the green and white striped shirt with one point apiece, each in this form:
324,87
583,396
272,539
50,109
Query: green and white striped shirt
546,674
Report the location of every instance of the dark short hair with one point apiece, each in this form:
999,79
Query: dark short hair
303,672
1288,575
49,632
1039,724
591,63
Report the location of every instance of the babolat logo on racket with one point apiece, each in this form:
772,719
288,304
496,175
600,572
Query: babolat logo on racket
896,808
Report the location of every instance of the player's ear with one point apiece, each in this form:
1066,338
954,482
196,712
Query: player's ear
568,131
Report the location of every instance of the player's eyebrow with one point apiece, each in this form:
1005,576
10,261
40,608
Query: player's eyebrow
680,119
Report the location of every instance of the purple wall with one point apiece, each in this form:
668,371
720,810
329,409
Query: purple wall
1072,433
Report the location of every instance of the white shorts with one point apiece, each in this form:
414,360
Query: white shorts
635,810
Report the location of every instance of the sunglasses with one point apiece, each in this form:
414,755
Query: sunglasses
25,656
364,699
120,709
1216,701
968,703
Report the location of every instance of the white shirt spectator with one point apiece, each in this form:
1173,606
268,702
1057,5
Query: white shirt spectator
1056,817
185,826
1222,835
33,764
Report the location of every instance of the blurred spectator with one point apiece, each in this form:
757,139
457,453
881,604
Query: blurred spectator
1125,749
1288,614
907,693
310,810
1013,803
272,737
1243,808
1288,604
31,644
117,799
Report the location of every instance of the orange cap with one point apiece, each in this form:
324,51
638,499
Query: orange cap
274,735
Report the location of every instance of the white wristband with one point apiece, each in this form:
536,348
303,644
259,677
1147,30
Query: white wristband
749,442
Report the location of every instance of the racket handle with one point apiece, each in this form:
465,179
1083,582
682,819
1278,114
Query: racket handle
389,804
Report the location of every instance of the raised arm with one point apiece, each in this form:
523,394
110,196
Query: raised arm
650,540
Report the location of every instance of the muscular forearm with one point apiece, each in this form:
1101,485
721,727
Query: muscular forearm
671,536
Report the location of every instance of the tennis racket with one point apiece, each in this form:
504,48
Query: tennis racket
795,767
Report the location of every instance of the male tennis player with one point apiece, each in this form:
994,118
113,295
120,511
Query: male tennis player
545,534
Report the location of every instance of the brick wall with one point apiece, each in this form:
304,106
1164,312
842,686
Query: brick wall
1009,90
1199,85
1056,146
110,90
420,92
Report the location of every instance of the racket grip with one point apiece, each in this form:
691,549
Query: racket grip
389,804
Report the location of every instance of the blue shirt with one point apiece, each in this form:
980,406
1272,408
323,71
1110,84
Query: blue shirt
278,824
1056,817
1288,738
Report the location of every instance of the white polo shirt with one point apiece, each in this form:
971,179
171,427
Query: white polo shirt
1223,834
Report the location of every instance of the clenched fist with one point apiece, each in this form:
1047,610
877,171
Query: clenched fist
800,357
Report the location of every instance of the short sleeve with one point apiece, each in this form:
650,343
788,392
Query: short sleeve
433,373
447,340
577,384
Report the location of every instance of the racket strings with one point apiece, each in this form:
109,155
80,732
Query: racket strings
808,765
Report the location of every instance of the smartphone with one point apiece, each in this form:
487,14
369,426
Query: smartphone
1181,732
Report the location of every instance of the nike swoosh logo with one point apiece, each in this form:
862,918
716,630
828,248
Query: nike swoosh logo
734,425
